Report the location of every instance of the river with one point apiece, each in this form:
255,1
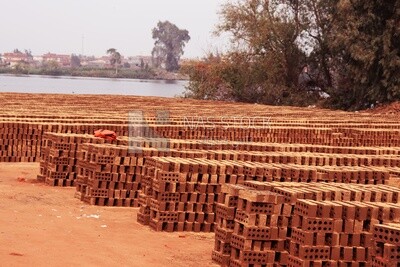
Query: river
85,85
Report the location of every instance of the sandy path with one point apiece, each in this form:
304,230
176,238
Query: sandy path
41,225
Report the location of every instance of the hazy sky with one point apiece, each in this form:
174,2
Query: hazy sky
58,25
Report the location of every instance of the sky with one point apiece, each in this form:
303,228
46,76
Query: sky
62,26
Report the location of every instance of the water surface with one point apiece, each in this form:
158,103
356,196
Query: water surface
85,85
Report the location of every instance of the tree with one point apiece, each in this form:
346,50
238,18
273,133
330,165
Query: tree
367,40
75,61
351,46
168,45
115,59
263,63
22,67
51,67
141,63
206,79
315,20
29,55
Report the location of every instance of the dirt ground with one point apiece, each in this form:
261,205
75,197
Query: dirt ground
42,225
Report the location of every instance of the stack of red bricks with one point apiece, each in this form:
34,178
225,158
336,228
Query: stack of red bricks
179,194
225,222
111,175
386,245
108,176
260,229
251,227
336,232
19,142
298,224
59,155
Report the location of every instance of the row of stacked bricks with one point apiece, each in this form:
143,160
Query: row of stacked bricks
307,158
282,147
268,147
19,142
59,156
25,118
60,152
282,162
111,175
22,139
299,225
178,194
306,173
280,134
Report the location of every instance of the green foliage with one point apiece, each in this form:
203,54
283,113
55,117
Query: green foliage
110,73
206,79
238,77
169,44
367,38
51,67
82,72
21,68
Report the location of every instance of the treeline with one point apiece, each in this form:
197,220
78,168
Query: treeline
349,50
83,72
86,72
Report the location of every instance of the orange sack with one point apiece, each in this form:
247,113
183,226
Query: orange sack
105,134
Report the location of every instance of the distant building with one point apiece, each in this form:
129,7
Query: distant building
37,61
95,62
14,58
105,60
99,62
136,61
38,58
63,60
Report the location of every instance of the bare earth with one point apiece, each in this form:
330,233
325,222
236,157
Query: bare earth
42,225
